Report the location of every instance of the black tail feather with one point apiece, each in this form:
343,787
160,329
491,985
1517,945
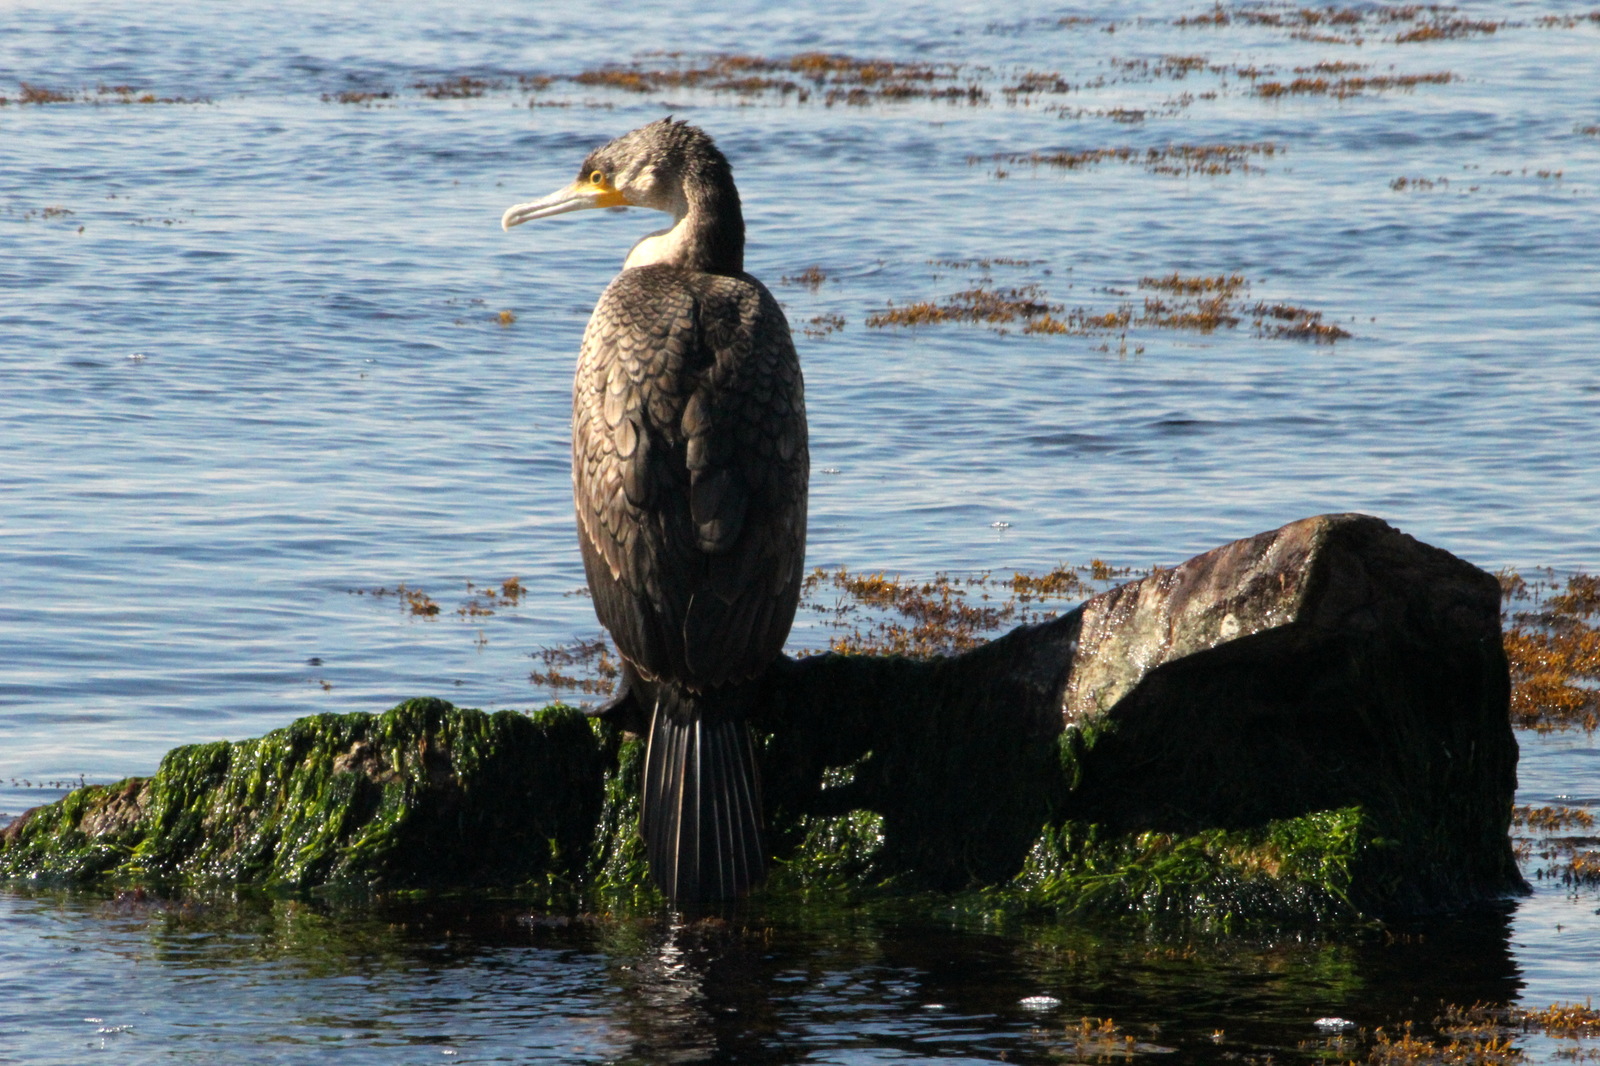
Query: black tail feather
701,816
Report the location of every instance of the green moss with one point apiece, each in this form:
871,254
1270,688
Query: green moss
422,794
1291,869
618,872
88,833
842,852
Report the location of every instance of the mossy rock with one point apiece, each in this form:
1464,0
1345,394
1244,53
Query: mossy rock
1309,724
425,794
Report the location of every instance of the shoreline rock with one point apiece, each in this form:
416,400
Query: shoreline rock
423,795
1306,724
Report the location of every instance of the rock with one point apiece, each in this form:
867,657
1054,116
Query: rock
1310,723
1335,663
422,795
1315,718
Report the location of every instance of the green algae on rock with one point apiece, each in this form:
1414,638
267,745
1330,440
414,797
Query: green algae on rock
1288,870
424,794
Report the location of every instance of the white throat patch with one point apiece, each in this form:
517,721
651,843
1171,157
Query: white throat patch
663,246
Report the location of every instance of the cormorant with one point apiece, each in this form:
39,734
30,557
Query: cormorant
689,470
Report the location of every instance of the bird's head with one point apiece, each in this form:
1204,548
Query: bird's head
647,167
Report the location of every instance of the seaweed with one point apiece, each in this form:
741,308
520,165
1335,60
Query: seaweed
834,78
1201,304
40,94
460,87
423,793
811,277
1346,87
1447,29
121,94
480,601
1402,1047
358,96
981,304
1285,870
1178,160
1553,645
1343,25
946,614
824,324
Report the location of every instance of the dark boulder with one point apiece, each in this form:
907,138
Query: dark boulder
1334,677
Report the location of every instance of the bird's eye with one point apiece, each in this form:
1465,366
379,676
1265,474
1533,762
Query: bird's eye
597,178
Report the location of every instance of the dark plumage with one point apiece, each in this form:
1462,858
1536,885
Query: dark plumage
689,470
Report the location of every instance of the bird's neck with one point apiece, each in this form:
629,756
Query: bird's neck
707,234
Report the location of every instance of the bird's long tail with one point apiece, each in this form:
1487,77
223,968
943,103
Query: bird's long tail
701,811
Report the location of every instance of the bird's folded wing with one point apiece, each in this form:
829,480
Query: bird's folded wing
690,471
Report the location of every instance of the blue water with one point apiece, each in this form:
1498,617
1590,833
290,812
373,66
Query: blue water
254,371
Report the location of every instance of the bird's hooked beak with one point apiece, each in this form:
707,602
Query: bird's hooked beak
575,197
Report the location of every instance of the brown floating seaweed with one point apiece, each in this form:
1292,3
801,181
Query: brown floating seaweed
1554,651
1201,304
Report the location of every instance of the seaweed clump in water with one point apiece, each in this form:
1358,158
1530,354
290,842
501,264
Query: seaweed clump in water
946,615
1343,88
40,94
1177,160
1553,645
481,600
120,94
460,87
811,277
368,97
1568,857
1201,304
982,305
834,78
824,324
1483,1034
597,668
1344,25
1448,29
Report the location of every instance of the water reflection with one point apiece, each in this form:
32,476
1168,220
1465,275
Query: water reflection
483,980
696,990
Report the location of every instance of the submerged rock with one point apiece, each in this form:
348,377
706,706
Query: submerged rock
1311,722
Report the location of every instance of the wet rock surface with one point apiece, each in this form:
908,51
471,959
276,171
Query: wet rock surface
1333,665
1307,723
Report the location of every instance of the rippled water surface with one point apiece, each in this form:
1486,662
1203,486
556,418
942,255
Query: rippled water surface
255,371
